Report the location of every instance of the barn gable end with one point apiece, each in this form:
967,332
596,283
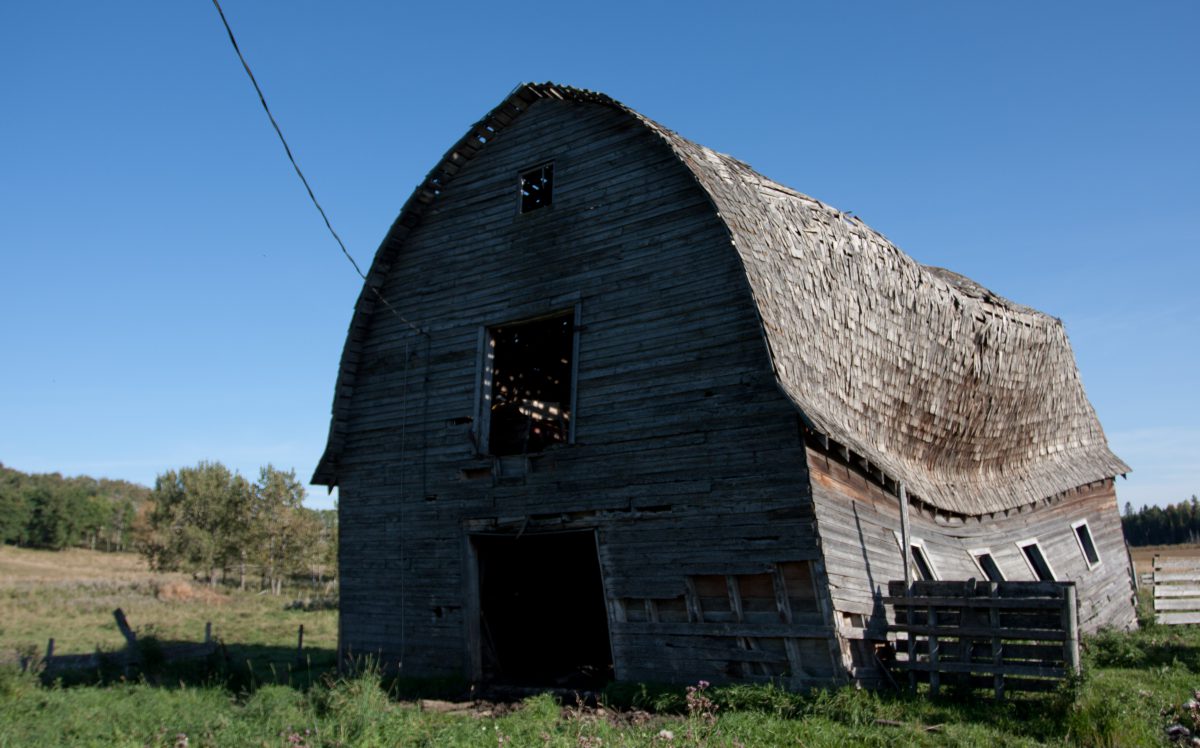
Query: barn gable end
687,466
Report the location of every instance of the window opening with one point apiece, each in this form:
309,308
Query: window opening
987,564
529,385
1083,534
922,566
1036,560
537,187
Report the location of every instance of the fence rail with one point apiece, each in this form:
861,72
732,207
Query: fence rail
1005,636
130,655
1176,590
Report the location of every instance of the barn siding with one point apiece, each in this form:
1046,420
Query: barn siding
858,520
688,461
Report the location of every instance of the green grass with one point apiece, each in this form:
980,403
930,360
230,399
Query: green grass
254,693
70,596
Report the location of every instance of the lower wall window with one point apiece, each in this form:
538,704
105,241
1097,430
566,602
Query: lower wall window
987,564
1083,536
922,564
1036,560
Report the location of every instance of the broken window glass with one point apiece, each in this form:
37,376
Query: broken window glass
537,187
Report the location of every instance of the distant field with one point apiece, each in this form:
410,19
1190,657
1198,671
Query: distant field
1143,557
70,595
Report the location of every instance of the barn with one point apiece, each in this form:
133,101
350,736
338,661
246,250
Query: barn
614,405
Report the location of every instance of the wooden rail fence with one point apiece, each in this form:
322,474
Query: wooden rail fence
1004,636
130,655
1176,590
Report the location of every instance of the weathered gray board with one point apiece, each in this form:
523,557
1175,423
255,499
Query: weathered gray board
1176,590
859,519
688,461
1006,636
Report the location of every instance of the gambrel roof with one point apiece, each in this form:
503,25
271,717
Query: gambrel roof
973,402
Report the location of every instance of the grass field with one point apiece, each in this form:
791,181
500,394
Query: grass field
70,596
1134,685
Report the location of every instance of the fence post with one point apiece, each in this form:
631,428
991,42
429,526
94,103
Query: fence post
997,642
906,559
123,625
208,632
935,677
300,644
1071,624
49,649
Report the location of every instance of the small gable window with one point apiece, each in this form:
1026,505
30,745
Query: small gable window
537,187
1036,560
1083,535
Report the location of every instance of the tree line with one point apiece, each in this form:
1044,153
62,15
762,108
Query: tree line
222,527
1154,525
50,511
206,520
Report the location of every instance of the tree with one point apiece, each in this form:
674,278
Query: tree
15,513
1153,525
279,524
198,522
51,511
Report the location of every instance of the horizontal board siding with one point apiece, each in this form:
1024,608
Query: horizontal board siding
858,521
687,461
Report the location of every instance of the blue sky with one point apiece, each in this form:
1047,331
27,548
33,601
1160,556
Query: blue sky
169,294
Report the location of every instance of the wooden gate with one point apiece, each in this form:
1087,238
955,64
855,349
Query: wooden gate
1176,590
1004,636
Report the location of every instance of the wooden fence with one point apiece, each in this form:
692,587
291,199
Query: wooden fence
1004,636
1176,590
131,655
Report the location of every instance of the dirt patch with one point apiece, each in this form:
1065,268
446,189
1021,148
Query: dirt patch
185,592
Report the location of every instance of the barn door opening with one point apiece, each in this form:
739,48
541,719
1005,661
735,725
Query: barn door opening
542,616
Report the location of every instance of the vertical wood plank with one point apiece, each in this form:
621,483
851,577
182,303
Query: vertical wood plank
1071,624
784,606
997,642
935,678
695,611
821,593
651,610
906,555
735,597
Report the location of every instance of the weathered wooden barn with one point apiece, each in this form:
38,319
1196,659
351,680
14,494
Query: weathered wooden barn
615,405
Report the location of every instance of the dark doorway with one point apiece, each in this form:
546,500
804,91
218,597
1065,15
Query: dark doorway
543,620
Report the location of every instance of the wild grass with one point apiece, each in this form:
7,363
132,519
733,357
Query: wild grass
70,596
1134,685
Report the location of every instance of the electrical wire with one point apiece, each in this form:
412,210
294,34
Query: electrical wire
287,149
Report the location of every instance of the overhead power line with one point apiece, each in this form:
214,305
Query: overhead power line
287,149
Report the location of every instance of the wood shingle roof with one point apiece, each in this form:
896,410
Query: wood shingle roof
972,401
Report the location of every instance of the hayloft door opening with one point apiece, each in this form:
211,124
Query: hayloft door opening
542,616
528,386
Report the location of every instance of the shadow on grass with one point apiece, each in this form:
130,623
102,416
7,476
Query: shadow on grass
238,667
242,669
